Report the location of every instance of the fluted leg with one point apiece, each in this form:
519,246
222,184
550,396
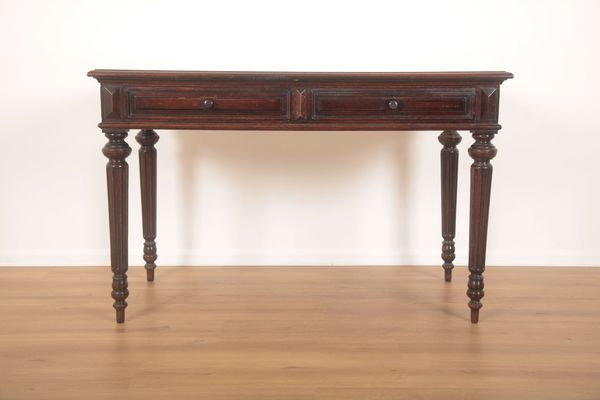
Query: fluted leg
147,138
449,169
482,151
117,172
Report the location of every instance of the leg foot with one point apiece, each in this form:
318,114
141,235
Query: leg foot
120,316
474,316
448,275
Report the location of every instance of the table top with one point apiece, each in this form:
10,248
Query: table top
494,76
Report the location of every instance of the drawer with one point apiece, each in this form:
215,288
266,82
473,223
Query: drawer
402,104
209,104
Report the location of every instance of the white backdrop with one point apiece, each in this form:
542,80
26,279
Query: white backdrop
300,198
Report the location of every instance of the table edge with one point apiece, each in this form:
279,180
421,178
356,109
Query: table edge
119,74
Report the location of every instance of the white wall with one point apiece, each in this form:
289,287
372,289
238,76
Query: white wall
299,198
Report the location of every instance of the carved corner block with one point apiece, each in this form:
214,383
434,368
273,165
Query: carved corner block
489,102
110,98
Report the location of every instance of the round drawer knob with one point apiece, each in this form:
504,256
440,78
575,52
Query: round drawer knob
392,104
208,103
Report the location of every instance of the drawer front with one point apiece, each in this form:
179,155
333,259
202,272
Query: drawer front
209,104
401,105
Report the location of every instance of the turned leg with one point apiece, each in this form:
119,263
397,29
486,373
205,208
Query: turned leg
449,169
147,138
482,151
117,172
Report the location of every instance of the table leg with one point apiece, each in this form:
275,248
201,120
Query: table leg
449,174
147,138
117,172
482,151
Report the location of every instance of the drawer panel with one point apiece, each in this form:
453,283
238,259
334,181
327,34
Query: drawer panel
403,104
209,104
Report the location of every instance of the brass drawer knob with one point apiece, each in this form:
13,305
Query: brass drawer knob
392,104
207,104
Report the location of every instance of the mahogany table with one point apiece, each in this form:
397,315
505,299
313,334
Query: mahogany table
446,101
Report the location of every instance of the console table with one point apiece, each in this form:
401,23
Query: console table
439,101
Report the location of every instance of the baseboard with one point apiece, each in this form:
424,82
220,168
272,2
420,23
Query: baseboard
230,257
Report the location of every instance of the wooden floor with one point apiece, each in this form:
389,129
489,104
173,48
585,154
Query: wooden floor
352,333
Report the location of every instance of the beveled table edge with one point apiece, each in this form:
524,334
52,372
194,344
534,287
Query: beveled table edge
110,74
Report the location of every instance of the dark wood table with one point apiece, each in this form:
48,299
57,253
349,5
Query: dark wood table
439,101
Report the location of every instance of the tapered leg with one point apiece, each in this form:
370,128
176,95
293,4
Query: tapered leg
148,138
117,172
482,151
449,169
